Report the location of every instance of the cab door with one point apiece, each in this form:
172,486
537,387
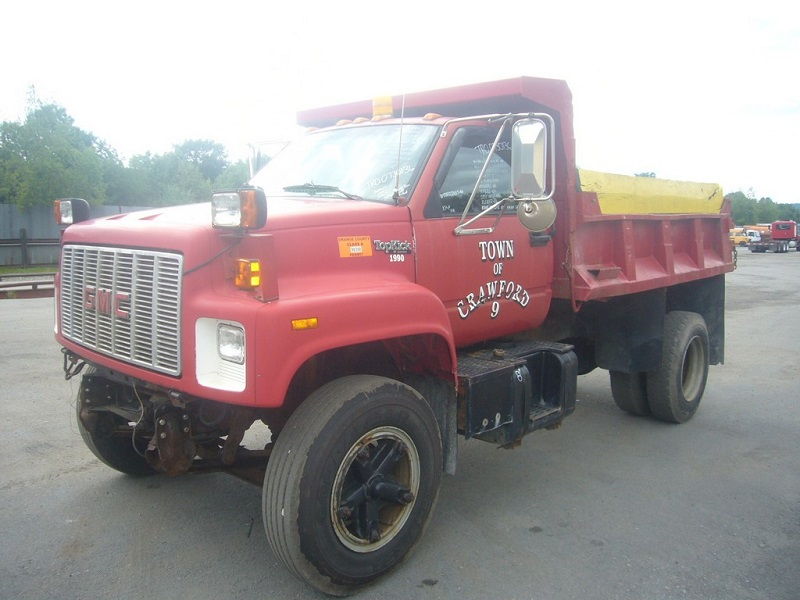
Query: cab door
491,284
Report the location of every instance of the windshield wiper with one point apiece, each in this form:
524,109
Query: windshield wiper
315,188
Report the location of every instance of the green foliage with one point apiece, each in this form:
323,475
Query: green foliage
209,157
166,179
743,208
749,211
48,157
234,175
788,212
15,270
766,211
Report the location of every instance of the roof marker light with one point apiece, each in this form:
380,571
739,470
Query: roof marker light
382,108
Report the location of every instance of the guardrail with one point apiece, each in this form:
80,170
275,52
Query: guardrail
27,285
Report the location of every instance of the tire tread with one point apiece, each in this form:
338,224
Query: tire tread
663,396
286,467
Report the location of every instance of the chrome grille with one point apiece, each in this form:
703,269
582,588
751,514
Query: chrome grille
124,303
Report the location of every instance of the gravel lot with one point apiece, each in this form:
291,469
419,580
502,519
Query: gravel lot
608,506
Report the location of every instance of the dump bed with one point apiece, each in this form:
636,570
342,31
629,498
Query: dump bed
631,234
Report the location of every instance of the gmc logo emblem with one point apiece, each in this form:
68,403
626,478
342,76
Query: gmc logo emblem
106,302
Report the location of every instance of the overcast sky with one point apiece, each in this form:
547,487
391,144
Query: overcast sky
703,91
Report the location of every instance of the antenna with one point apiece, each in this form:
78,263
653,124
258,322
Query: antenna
396,195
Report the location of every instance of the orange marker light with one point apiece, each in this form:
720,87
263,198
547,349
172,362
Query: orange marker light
301,324
382,107
248,274
57,214
249,208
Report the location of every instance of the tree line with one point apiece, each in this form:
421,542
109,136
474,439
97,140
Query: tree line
746,210
46,157
749,211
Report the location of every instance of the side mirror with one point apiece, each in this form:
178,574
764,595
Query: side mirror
533,171
530,145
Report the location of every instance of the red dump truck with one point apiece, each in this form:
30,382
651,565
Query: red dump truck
776,238
410,270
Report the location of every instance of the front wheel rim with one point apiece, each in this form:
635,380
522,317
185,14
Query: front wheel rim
375,489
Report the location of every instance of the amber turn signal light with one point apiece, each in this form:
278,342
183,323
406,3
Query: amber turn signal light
248,274
302,324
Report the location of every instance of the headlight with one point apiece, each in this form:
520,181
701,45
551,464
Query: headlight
230,343
246,208
226,210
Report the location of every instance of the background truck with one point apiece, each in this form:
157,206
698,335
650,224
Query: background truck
383,285
742,236
777,238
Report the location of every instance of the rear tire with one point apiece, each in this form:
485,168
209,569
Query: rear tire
630,392
675,389
351,482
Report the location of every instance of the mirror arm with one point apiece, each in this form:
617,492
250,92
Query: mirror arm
461,227
474,193
464,223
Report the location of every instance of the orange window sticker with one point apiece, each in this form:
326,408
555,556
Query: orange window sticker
354,246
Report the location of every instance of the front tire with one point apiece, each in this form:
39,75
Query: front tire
104,434
351,482
674,390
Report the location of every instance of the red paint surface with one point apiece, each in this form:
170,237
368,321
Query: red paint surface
366,298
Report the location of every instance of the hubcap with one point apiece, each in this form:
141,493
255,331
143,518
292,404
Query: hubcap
694,362
375,489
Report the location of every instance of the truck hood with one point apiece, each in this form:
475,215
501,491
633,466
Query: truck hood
181,226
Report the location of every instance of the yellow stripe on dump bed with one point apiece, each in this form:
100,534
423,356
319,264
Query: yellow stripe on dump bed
622,194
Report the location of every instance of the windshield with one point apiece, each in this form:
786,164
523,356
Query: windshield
359,161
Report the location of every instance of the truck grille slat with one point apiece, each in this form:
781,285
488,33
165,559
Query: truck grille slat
124,303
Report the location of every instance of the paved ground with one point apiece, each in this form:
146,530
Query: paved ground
609,506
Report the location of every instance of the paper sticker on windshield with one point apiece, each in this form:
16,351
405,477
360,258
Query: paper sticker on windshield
354,246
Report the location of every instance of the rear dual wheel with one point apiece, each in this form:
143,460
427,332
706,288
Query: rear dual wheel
673,391
351,482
